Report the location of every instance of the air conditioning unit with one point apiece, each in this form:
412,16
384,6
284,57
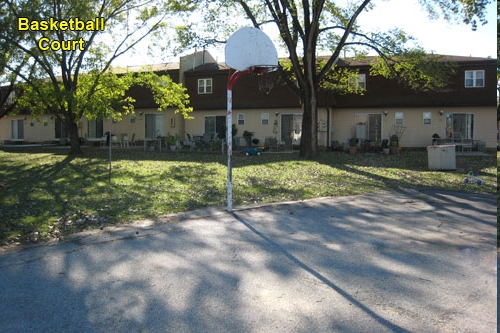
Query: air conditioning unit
442,157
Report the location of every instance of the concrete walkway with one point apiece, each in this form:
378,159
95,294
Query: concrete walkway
398,261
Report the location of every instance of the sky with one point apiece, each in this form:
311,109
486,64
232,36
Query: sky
437,36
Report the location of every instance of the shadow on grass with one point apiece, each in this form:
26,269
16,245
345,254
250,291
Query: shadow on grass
40,194
46,193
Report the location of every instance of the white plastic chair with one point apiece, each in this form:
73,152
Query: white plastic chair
125,141
115,141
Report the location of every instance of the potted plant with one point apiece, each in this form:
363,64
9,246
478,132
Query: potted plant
216,144
171,142
385,146
353,145
394,145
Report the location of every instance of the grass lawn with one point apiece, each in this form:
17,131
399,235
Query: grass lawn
498,203
44,193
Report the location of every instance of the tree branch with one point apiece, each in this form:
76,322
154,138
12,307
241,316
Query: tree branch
249,13
334,58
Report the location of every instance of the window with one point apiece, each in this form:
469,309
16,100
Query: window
462,123
358,82
61,131
204,86
210,126
264,118
154,126
399,117
427,118
241,119
361,81
17,126
215,127
95,128
474,79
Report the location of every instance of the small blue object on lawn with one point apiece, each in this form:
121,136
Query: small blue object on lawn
253,151
473,177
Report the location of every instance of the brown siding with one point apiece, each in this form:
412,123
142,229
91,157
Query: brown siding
388,93
143,96
215,100
380,91
246,92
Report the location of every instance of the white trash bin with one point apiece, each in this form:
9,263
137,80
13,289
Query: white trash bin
442,157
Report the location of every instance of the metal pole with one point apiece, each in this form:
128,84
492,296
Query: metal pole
229,125
110,139
233,77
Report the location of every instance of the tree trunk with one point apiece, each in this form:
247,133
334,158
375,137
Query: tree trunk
74,139
309,137
309,92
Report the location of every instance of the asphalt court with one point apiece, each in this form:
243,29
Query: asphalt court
392,261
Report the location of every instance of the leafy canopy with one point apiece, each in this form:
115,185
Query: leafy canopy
78,81
305,29
329,28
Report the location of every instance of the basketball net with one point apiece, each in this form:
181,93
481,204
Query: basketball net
266,81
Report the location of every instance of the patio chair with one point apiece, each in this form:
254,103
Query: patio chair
467,144
188,143
132,140
115,141
271,143
461,143
125,141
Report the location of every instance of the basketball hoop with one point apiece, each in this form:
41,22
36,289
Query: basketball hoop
267,80
264,69
248,51
250,48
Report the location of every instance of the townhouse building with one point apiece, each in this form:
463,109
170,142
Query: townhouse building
268,108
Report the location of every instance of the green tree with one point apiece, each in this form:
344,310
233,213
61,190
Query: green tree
7,105
65,68
498,59
106,96
7,81
307,28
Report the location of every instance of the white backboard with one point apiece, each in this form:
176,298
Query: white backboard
250,47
